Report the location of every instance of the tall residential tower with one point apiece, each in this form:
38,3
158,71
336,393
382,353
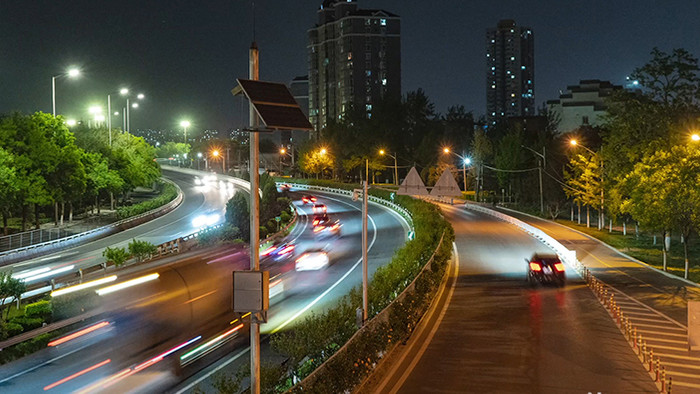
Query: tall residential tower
510,71
354,59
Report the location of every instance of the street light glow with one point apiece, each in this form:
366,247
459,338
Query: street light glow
283,151
381,151
185,123
71,122
323,151
215,153
95,110
135,105
73,72
199,154
124,91
140,96
573,142
695,137
446,150
467,161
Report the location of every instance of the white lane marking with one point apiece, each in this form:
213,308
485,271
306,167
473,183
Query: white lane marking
44,363
374,237
227,362
429,339
333,286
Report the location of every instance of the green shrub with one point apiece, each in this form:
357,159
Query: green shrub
117,256
28,323
73,304
141,250
40,309
27,347
285,217
263,232
13,329
168,194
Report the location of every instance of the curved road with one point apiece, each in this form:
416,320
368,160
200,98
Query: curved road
117,347
492,332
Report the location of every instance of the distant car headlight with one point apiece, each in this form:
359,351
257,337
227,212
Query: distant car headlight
206,220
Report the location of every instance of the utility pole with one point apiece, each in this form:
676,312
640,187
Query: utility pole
254,74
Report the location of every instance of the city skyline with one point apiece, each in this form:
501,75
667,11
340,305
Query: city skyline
185,58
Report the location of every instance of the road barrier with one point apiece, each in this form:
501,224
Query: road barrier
54,245
603,292
403,212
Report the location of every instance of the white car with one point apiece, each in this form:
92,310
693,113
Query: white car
312,260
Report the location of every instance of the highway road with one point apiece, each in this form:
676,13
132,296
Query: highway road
138,340
492,332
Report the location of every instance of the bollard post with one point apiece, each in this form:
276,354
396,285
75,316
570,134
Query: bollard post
651,360
636,338
670,382
657,369
663,379
80,271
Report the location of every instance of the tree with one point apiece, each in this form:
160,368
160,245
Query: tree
238,214
10,288
8,186
671,78
316,161
170,149
141,250
585,181
664,193
117,256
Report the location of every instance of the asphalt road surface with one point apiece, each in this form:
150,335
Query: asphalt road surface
494,333
147,327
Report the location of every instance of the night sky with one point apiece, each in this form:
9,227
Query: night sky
185,55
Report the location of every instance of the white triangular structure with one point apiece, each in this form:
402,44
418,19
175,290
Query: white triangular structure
446,186
413,185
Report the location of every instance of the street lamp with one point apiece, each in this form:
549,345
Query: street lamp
465,162
125,112
323,151
396,167
71,122
601,218
199,159
185,124
695,137
72,73
216,155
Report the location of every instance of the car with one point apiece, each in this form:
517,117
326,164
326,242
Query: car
279,252
327,229
209,218
321,219
285,187
319,208
545,269
312,260
308,199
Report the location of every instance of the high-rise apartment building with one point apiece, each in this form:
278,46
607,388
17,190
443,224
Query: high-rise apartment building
354,60
510,71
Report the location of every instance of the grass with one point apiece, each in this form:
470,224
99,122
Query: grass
642,248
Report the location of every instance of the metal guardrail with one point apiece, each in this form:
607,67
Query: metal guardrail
396,207
91,234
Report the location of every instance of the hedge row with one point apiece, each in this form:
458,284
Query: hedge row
319,336
168,194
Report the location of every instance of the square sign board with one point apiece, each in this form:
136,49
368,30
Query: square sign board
251,291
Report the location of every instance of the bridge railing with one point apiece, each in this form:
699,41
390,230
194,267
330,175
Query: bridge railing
403,212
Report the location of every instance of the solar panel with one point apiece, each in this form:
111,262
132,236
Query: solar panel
274,103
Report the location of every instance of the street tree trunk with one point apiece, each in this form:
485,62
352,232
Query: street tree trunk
663,247
588,217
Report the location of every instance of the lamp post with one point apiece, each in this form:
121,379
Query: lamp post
601,218
282,153
199,159
542,164
396,167
72,73
465,162
216,155
185,124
